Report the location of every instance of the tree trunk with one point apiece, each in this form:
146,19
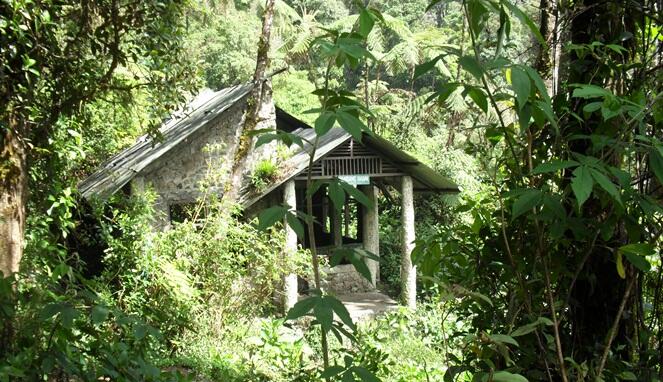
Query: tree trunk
547,61
598,291
255,103
13,197
13,184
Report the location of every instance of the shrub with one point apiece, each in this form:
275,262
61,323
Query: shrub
264,173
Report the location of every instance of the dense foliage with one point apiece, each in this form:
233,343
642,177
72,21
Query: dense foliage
546,266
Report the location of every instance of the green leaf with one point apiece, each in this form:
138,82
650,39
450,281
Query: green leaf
554,166
99,314
422,69
538,82
525,202
324,314
351,124
470,64
361,267
340,310
478,97
336,194
656,164
324,123
590,91
522,16
270,216
638,261
547,110
364,374
295,224
264,139
528,328
606,184
627,376
51,310
505,376
477,12
503,339
139,331
582,184
636,254
366,22
521,85
332,371
356,194
302,308
620,265
592,107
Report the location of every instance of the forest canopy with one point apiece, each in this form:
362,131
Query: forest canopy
546,266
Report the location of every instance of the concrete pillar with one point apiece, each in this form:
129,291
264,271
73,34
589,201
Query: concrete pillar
290,280
371,232
408,271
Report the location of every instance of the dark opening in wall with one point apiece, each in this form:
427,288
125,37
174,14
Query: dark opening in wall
181,212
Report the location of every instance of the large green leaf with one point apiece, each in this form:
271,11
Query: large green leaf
324,314
270,216
351,124
521,86
324,122
636,254
302,308
336,194
656,163
422,69
364,374
522,16
366,22
356,194
99,314
505,376
340,310
606,184
582,184
590,91
355,257
295,224
478,97
538,82
332,371
554,166
470,64
526,201
503,339
528,328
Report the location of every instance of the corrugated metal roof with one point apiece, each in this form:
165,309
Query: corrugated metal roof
121,168
425,178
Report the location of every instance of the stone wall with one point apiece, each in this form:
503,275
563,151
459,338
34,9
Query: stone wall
343,278
200,165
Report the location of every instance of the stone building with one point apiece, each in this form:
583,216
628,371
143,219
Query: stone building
199,143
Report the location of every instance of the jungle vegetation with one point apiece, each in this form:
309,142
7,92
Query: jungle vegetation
546,266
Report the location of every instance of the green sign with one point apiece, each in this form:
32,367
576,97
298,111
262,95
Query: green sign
356,180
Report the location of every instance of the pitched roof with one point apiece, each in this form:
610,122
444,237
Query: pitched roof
425,178
121,168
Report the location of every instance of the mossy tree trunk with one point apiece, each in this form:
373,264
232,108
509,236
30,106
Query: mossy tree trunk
13,194
256,100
